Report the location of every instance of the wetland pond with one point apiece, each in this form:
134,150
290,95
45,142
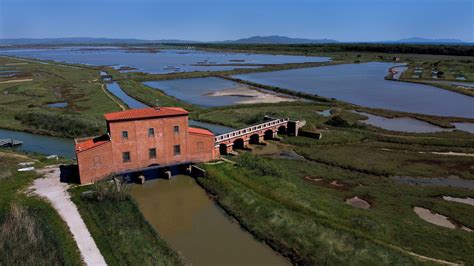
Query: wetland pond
214,91
180,210
365,85
161,62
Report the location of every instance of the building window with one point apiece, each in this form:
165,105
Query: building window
200,146
126,157
177,150
151,132
124,134
152,153
97,161
176,129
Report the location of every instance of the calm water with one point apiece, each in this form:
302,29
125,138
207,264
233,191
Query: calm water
41,144
402,124
364,84
194,90
115,89
165,61
58,105
192,224
464,126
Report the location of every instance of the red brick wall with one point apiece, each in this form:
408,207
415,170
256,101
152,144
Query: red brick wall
95,163
138,142
201,148
193,147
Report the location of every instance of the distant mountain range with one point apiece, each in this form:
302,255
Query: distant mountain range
279,40
251,40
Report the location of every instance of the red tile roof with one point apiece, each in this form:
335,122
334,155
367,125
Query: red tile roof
87,144
145,113
194,130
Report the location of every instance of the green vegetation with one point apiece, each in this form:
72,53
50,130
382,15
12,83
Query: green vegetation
309,220
292,204
119,229
51,82
311,49
31,232
65,124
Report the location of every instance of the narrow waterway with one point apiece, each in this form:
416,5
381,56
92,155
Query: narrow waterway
41,144
195,226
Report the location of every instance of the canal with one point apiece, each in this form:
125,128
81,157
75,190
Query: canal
183,214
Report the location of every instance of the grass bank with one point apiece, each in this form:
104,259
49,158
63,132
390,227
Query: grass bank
120,231
307,218
31,232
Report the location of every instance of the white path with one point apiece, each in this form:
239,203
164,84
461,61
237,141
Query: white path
50,188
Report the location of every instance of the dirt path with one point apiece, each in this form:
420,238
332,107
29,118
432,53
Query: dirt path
50,188
15,80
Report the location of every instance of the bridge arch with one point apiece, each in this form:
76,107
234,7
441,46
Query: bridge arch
238,144
282,129
268,134
254,139
223,149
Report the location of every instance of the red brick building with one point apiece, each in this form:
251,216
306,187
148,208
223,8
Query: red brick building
142,138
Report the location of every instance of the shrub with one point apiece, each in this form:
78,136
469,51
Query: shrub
62,124
113,188
338,121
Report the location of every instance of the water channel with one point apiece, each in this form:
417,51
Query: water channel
41,144
194,225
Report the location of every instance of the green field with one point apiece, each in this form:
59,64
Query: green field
31,232
309,219
24,104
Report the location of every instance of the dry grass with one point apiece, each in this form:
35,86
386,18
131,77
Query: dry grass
22,241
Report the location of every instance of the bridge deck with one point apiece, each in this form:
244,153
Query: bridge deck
249,130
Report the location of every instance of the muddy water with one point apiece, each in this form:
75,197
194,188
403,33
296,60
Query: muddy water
194,225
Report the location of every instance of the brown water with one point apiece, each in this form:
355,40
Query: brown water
195,226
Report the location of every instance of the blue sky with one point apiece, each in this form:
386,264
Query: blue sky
208,20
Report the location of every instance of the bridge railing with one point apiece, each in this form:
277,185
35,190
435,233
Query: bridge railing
249,130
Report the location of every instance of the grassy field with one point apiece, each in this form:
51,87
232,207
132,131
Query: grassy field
24,104
309,220
121,232
31,232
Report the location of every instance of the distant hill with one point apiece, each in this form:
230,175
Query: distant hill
427,41
83,40
251,40
279,40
